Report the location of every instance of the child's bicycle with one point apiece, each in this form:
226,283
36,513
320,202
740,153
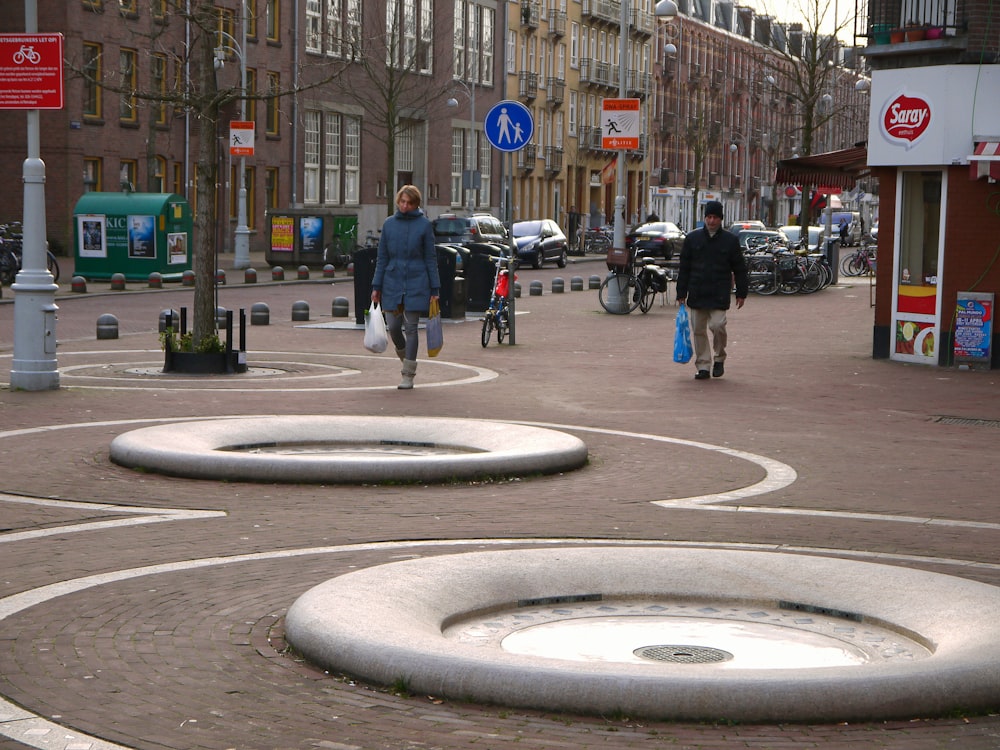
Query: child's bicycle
497,314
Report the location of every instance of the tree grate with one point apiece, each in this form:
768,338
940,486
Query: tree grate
967,421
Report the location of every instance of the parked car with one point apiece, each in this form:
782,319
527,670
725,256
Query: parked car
745,235
540,240
660,239
794,234
453,228
738,226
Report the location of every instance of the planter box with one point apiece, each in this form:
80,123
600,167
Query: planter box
204,363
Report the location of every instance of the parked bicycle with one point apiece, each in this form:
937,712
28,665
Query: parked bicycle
861,262
11,250
632,285
596,241
497,315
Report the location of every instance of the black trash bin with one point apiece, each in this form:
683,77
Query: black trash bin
364,274
448,264
832,252
480,271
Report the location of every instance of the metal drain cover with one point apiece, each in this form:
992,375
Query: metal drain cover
683,654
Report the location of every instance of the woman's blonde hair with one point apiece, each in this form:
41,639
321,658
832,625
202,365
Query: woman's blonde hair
409,191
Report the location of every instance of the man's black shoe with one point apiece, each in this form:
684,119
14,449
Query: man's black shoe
701,375
718,370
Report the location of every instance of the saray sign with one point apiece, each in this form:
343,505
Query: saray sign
905,119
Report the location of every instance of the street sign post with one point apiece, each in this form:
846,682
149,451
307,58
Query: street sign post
31,71
621,124
508,125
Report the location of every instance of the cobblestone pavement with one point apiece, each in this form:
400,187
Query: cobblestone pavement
144,611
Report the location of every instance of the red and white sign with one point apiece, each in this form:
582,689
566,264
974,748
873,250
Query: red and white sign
31,71
905,119
241,138
621,124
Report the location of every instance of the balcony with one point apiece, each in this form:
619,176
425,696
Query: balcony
557,23
555,91
639,84
531,14
553,159
643,22
526,157
942,27
527,84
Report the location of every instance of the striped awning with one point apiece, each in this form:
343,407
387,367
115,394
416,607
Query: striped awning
833,168
986,161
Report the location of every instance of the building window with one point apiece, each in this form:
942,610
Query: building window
226,28
127,6
273,126
178,178
159,9
127,110
574,45
271,187
91,75
127,174
158,78
158,180
410,28
572,113
251,18
92,174
93,4
511,51
352,160
251,111
331,164
273,20
310,192
314,26
457,146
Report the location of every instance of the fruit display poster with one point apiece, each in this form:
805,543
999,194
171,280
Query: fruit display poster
973,326
915,337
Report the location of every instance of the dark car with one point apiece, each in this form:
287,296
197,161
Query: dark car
452,228
660,239
540,240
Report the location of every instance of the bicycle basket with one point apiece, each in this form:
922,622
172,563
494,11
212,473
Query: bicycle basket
619,256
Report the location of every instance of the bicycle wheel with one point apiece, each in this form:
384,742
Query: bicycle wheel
487,328
813,277
850,266
53,265
503,324
620,293
8,267
648,297
761,272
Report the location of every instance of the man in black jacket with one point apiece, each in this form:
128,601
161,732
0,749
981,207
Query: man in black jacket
711,260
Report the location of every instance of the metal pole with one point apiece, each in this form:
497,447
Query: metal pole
473,146
241,255
619,235
34,366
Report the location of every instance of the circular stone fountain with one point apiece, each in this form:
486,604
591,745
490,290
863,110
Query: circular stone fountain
347,449
664,633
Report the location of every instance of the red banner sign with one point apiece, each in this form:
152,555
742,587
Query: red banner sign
31,71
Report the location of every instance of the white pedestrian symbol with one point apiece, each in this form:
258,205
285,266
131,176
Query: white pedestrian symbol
504,122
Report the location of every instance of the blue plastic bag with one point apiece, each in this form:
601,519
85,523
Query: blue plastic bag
683,351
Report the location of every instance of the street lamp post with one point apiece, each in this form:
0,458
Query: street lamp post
470,181
664,8
241,243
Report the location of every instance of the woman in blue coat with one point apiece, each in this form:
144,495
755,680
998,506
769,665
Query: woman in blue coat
406,276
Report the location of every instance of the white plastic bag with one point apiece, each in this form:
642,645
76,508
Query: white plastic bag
376,338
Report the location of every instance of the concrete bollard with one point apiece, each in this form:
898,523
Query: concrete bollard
107,326
300,310
260,314
187,278
576,284
350,269
558,285
175,320
517,290
220,318
595,282
79,285
277,273
341,307
117,283
250,276
156,280
329,271
220,277
303,273
535,288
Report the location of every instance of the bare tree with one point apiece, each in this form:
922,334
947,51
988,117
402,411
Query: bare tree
702,132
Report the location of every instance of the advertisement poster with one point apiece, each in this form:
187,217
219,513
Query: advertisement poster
93,237
142,237
177,247
973,327
282,234
914,337
311,234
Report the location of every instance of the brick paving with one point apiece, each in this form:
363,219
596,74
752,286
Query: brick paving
191,654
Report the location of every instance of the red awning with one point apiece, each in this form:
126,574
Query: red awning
986,161
834,168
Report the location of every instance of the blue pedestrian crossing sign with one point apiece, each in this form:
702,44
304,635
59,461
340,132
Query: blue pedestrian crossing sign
508,126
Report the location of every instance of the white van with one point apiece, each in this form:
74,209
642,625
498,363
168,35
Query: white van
853,221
